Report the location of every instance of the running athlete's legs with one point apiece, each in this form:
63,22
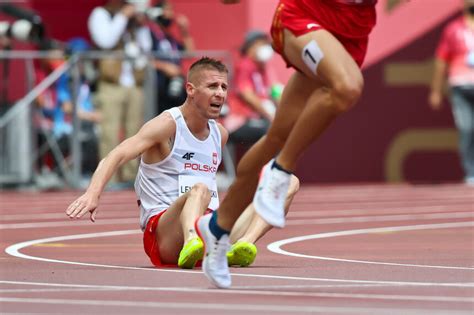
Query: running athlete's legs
343,80
310,102
176,225
322,58
250,227
241,192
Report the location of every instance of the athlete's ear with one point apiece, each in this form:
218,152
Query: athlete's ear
190,88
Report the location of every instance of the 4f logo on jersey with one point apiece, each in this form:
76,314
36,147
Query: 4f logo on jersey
188,156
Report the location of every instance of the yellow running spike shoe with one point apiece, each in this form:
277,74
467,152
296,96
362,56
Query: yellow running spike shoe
191,253
242,254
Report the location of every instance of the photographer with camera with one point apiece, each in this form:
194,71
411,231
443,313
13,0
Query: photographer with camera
170,76
118,26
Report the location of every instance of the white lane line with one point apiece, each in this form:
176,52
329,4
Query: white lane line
181,289
189,289
66,222
238,289
14,250
321,221
252,308
118,211
112,214
51,290
245,291
383,218
276,246
338,212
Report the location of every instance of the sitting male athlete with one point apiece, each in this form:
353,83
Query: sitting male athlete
176,182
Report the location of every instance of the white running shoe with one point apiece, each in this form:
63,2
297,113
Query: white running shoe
214,263
269,199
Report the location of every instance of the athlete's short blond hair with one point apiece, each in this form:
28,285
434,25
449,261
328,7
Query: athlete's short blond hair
205,63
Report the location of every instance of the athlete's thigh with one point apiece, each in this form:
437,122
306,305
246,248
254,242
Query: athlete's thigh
320,55
293,100
169,230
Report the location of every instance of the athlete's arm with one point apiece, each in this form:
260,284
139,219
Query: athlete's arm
437,83
153,133
224,135
256,103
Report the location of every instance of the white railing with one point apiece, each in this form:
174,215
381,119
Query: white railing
18,152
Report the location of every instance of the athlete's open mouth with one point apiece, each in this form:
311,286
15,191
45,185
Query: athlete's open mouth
215,105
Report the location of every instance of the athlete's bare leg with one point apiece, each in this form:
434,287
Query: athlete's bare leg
250,227
309,104
241,192
176,225
344,83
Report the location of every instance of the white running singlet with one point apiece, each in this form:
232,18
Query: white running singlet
190,161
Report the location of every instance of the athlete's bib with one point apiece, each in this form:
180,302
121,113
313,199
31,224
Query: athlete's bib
186,182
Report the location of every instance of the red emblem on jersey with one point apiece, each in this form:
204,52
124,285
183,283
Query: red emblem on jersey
214,158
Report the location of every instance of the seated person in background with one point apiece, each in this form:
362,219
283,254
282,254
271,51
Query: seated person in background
50,151
170,76
56,103
256,94
88,116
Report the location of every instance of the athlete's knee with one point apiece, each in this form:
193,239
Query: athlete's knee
346,92
201,191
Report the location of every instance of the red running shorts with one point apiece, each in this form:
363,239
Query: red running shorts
151,244
349,23
150,241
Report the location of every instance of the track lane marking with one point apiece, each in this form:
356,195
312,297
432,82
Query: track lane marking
320,221
243,290
252,308
276,246
14,250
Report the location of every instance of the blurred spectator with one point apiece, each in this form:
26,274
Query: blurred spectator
5,44
252,105
49,151
455,58
118,27
88,116
170,76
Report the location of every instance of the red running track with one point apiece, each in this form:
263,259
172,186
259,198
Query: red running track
355,249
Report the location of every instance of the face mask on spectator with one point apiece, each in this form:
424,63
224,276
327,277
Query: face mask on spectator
470,9
264,53
164,21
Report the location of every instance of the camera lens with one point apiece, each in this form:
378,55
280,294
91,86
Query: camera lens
175,87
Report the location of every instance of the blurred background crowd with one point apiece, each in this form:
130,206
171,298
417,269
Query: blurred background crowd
77,78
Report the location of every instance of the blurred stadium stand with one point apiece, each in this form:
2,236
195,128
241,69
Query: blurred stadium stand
391,135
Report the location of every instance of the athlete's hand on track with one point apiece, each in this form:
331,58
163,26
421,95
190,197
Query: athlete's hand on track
230,1
82,205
